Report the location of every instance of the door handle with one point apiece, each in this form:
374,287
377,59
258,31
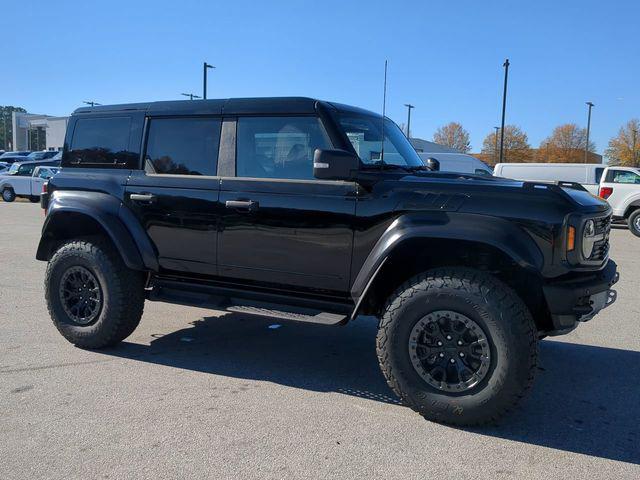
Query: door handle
248,205
142,197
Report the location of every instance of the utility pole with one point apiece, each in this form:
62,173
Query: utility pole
190,95
586,147
205,67
495,148
504,107
4,127
409,107
91,103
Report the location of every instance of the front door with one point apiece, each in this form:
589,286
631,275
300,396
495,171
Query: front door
176,196
280,225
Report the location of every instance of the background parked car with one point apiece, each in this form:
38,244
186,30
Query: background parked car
4,167
458,163
43,155
25,180
620,186
10,157
586,174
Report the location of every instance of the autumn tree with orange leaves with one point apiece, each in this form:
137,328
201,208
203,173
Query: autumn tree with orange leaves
453,135
566,145
624,149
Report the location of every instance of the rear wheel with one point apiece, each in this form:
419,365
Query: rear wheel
8,195
94,300
458,346
634,222
34,199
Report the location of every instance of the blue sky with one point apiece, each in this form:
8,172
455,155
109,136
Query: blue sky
444,57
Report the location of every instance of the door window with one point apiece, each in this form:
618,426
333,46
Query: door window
278,147
25,170
183,146
622,176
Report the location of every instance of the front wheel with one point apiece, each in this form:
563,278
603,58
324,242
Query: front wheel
94,300
634,222
458,346
8,195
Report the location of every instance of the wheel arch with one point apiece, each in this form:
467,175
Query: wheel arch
409,248
75,214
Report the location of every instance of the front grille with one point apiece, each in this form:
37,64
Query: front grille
601,247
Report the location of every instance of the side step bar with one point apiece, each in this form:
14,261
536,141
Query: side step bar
275,308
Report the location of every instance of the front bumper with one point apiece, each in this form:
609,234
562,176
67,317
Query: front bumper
580,298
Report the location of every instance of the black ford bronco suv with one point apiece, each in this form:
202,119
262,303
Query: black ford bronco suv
319,212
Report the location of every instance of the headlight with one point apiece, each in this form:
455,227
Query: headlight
588,239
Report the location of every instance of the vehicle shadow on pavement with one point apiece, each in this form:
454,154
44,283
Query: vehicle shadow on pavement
585,399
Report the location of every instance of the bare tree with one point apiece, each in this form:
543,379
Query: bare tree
453,135
624,148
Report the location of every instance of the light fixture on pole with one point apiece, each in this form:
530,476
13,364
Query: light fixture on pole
409,107
586,146
91,103
190,95
205,67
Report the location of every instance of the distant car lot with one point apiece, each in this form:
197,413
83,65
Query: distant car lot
201,394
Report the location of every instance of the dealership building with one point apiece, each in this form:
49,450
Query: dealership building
29,130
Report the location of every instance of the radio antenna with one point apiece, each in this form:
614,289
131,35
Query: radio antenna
384,110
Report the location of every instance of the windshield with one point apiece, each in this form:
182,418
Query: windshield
365,134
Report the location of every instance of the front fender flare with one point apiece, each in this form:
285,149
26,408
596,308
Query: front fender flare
126,233
499,233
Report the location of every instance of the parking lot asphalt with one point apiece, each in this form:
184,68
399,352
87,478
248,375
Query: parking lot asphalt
196,393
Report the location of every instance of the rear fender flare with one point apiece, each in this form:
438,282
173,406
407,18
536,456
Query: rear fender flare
124,230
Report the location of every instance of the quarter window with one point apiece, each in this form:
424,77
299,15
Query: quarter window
183,146
622,176
102,141
278,147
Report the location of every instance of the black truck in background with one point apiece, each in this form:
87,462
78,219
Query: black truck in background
318,212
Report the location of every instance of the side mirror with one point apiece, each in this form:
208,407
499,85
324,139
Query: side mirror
432,164
335,165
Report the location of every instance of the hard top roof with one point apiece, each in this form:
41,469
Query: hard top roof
229,106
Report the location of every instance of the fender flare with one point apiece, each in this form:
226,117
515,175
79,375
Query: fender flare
124,230
634,201
499,233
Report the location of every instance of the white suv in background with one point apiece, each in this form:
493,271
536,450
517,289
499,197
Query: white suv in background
620,186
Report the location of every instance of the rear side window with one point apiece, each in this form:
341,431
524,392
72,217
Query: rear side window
622,176
278,147
102,142
183,146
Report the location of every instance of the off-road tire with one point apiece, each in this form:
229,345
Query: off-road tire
496,308
122,292
633,222
8,195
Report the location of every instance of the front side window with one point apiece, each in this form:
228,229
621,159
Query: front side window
278,147
25,170
101,141
622,176
365,134
183,146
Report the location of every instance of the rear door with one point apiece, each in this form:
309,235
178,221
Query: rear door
280,225
176,195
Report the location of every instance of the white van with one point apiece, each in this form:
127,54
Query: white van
458,163
586,174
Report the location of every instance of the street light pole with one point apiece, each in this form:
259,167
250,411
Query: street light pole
586,147
409,107
504,107
205,67
190,95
